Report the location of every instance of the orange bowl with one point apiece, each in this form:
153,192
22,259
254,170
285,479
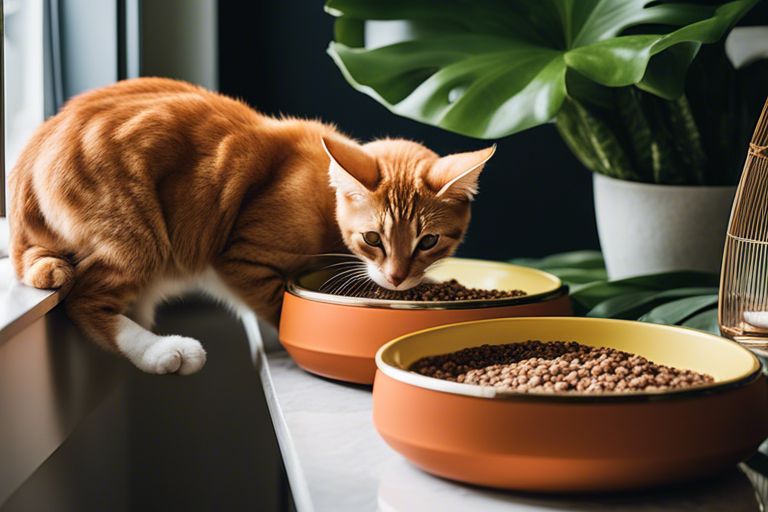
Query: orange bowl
569,442
337,337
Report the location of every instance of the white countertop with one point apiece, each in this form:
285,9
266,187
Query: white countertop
336,462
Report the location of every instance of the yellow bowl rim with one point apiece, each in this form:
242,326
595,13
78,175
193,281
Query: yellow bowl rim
558,290
473,390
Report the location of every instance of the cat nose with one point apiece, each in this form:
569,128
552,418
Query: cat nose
397,277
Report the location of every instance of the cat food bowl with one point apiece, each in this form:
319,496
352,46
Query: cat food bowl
337,336
572,442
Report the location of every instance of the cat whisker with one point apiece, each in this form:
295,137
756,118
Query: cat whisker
339,280
370,285
343,263
337,276
341,269
353,280
359,289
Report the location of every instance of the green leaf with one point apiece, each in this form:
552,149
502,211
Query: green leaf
575,268
669,280
488,68
685,134
635,304
579,275
621,306
669,297
349,31
591,295
679,310
617,62
576,259
665,74
592,140
577,287
704,321
570,260
667,163
442,80
645,149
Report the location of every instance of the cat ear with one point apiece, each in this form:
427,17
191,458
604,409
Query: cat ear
455,176
352,170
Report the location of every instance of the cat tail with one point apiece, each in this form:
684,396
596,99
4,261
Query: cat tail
43,268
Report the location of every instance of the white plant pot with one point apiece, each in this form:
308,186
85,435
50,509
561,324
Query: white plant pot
646,228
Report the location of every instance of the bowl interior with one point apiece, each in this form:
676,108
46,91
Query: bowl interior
469,272
724,360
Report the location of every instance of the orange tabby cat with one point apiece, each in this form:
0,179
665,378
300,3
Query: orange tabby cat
142,189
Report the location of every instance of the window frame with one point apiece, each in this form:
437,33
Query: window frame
2,111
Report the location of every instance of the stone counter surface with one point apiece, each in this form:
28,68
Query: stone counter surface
337,462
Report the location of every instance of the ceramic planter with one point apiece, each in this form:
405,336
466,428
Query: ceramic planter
647,228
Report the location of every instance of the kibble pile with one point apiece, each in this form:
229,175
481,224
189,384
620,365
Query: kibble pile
445,291
556,366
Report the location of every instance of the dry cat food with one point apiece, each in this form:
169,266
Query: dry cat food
556,366
445,291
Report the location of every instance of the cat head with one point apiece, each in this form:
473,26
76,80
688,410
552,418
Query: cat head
399,206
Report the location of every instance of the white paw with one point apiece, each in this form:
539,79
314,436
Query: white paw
173,354
158,354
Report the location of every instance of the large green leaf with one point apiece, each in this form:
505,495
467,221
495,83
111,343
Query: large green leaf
489,68
704,321
635,304
593,294
677,298
575,260
679,310
592,140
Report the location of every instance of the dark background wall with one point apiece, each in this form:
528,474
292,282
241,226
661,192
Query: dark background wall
535,198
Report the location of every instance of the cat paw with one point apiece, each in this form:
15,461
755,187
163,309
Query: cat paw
48,273
173,354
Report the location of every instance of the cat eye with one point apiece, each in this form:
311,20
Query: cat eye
372,238
427,242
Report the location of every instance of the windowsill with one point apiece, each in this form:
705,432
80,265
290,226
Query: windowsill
20,305
4,237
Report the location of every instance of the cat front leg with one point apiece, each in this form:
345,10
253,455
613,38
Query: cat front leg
258,285
101,295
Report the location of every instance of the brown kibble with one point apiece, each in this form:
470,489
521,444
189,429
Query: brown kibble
556,366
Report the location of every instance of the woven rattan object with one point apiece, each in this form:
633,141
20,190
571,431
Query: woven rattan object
743,312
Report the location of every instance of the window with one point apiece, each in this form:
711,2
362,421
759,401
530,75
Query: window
23,41
54,50
3,235
23,66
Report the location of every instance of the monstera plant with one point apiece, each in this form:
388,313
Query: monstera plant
601,68
640,90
